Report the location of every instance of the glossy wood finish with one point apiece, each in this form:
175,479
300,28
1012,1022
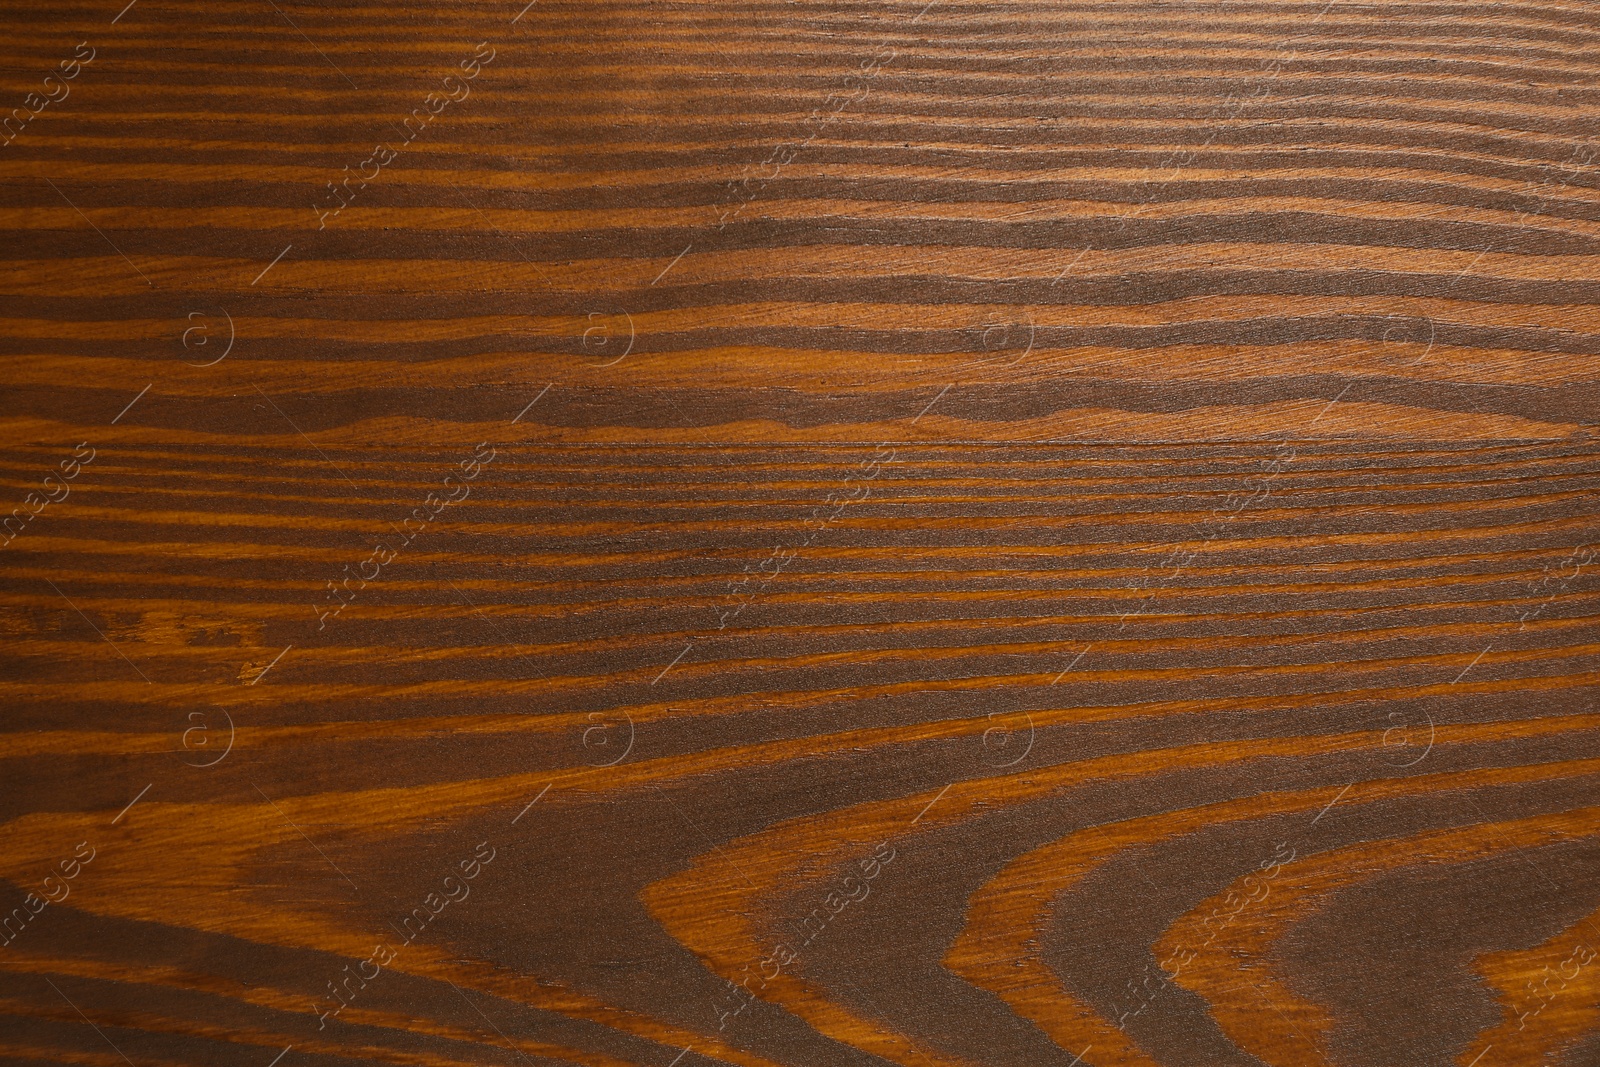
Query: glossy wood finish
809,533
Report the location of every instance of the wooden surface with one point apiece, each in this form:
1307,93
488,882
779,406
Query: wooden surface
804,534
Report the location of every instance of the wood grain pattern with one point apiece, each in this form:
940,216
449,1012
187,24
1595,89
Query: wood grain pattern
809,533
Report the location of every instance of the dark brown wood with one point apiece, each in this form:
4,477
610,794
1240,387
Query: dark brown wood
810,533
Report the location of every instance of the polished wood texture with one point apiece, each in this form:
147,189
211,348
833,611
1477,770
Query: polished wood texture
800,533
